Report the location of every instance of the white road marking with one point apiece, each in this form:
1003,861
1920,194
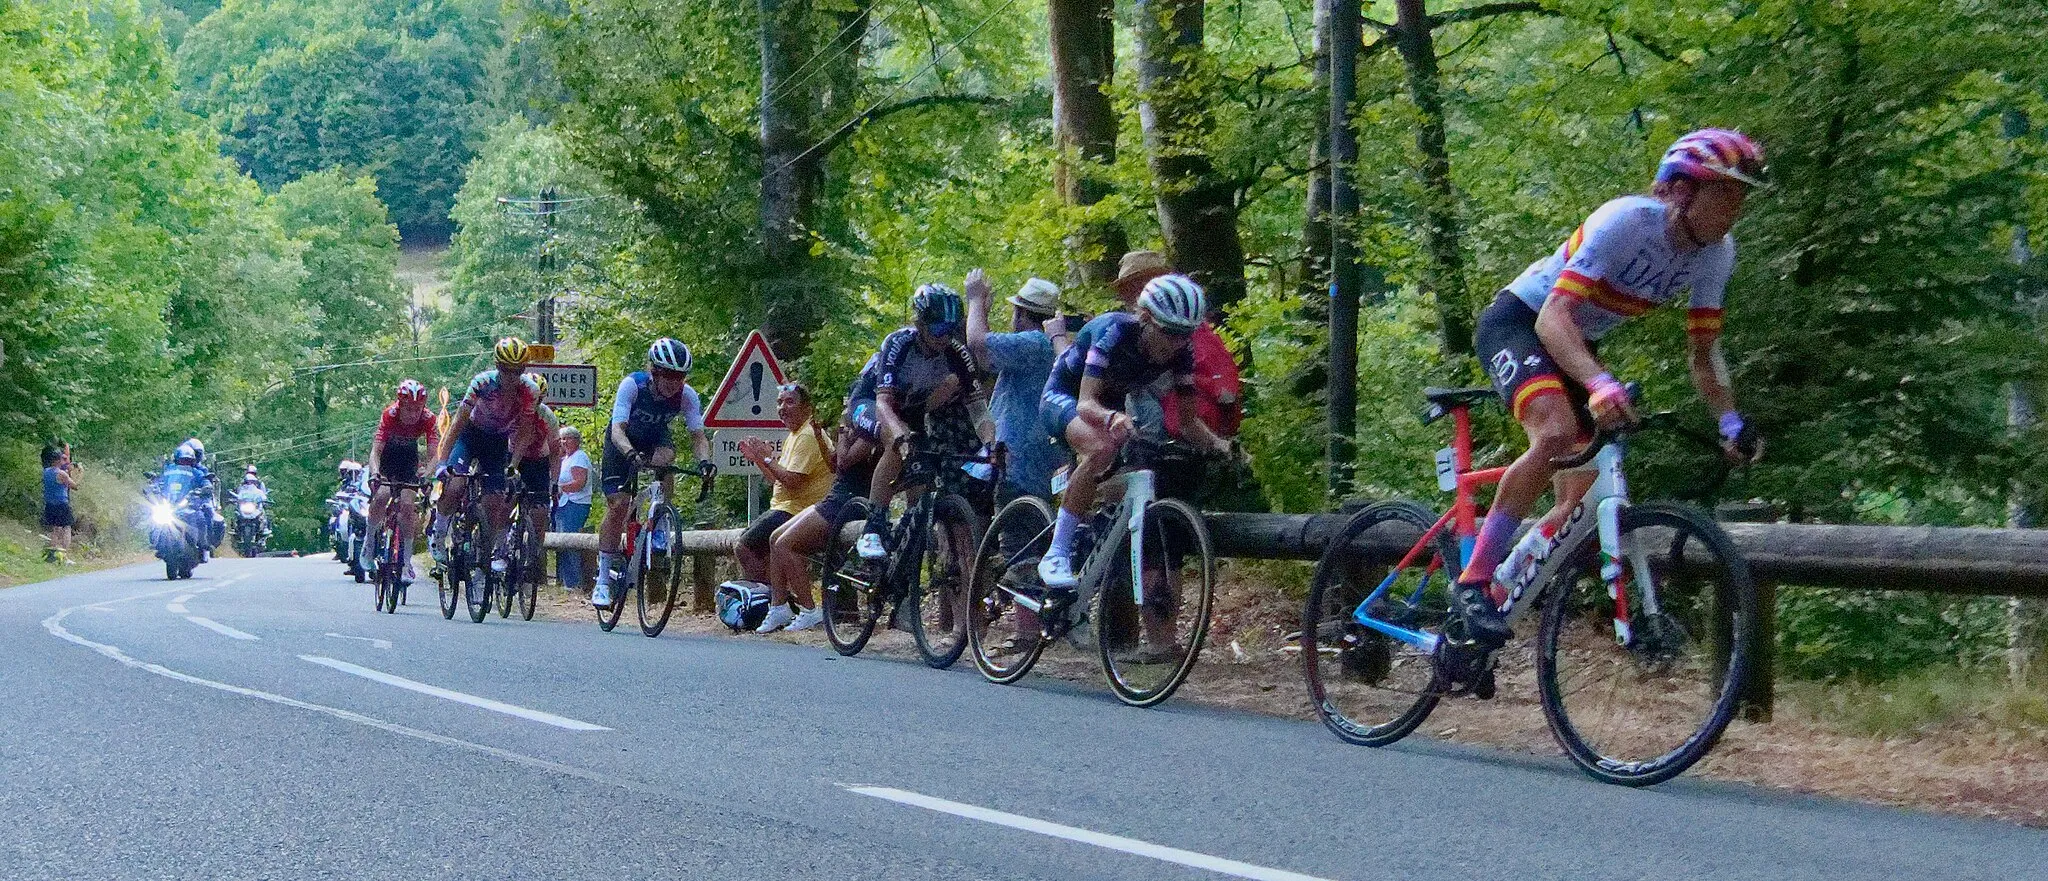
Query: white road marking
1099,839
456,696
177,605
227,581
55,625
220,628
379,643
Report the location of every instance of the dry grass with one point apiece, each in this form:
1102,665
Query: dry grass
1972,749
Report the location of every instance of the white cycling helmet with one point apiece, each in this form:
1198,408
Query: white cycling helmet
1175,302
669,354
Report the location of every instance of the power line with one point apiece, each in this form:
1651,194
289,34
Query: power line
794,82
320,367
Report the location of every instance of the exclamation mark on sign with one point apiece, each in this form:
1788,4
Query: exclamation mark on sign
754,372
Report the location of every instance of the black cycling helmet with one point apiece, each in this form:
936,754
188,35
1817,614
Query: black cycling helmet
935,304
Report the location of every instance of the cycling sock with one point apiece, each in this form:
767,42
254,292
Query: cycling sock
1063,534
1495,536
606,560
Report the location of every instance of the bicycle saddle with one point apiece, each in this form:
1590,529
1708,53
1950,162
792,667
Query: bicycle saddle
1441,400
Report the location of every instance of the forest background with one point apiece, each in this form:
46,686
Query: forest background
204,209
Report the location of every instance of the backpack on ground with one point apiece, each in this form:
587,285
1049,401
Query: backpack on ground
742,605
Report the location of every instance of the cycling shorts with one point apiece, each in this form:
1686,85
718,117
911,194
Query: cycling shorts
534,479
616,473
401,461
483,454
1057,410
1521,369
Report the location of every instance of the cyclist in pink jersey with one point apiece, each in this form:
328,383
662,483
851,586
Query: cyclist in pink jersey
1539,343
479,441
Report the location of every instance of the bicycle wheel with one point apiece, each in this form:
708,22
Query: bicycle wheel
1638,687
608,616
850,599
660,572
1149,647
1008,638
449,587
382,585
1369,688
940,599
532,568
391,571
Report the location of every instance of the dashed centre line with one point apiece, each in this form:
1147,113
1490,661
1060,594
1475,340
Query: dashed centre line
222,629
494,706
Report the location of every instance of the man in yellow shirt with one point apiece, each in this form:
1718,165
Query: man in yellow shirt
801,475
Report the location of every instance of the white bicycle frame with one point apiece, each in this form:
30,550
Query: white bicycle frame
1606,499
1130,516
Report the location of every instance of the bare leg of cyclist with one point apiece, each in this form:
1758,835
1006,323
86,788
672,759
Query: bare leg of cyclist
1553,430
1094,449
497,514
406,527
379,500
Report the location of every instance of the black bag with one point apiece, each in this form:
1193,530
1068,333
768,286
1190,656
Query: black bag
742,605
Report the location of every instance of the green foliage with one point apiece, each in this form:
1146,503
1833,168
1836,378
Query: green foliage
1826,634
1938,697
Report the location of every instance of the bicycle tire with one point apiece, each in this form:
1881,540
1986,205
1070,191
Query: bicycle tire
850,601
1707,632
532,558
1006,638
391,572
448,589
941,588
1349,667
1175,537
660,574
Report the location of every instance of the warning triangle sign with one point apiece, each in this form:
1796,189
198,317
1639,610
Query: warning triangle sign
746,397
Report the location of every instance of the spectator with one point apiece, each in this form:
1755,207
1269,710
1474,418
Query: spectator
1134,270
1021,360
572,503
60,477
802,475
1218,390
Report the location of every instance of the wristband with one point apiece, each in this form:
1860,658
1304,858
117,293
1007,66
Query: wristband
1603,386
1731,425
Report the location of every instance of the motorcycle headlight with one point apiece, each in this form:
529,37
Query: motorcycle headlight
162,514
248,509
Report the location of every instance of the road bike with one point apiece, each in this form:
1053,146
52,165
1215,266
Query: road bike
924,575
653,572
388,567
525,555
466,579
1642,650
1147,581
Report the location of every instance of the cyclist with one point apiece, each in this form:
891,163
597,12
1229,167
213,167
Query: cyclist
853,466
395,455
479,440
639,435
1082,405
1538,341
537,454
918,370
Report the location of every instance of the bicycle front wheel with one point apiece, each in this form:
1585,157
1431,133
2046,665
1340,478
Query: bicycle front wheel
850,598
1008,638
448,586
1145,664
660,572
1367,687
940,622
532,568
1640,674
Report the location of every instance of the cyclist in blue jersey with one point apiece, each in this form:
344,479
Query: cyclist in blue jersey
1082,406
919,369
479,440
641,412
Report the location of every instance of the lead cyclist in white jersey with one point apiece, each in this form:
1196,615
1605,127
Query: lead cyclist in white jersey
1539,341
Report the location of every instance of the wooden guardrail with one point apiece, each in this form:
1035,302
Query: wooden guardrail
1933,559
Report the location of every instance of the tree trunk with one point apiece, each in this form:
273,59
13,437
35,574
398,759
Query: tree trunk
1197,208
1440,227
791,175
1083,58
1341,451
1314,282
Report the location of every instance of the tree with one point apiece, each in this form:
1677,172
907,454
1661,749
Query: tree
1197,206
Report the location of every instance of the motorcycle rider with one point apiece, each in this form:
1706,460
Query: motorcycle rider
252,491
187,462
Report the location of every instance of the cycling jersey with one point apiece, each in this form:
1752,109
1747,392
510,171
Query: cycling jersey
496,408
393,429
647,415
535,430
904,368
1620,263
1108,347
864,385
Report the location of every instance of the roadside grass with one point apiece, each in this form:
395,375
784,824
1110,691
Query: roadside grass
1928,702
21,557
106,504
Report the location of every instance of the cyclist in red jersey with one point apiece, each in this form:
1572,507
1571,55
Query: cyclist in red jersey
395,454
1539,339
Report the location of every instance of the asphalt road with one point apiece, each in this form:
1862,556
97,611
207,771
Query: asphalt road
259,721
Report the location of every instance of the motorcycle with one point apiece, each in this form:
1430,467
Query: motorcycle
252,527
180,524
355,535
334,523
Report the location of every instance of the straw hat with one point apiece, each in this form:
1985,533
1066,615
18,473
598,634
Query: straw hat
1137,268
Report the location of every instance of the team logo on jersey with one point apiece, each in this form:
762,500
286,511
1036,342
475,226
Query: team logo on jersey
1504,368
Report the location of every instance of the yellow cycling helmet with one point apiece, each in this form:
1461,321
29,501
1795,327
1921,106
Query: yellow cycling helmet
511,350
540,383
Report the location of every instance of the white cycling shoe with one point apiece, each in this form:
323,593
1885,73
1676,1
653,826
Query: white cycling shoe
1057,572
870,547
806,619
601,595
778,618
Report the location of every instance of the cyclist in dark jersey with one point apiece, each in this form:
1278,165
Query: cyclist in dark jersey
918,370
1082,406
639,435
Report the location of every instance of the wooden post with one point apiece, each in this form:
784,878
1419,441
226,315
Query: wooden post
1760,693
704,579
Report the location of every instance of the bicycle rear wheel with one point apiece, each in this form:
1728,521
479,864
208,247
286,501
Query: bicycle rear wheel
1149,641
391,571
448,585
940,620
1638,687
850,598
532,557
1370,688
1008,638
660,572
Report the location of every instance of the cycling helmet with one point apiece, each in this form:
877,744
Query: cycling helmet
411,390
540,384
1175,302
668,353
1713,154
186,452
511,350
935,304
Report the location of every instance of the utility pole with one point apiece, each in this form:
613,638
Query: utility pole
545,207
1345,21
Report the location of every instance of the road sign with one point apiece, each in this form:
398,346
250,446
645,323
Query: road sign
746,397
539,353
569,385
725,449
